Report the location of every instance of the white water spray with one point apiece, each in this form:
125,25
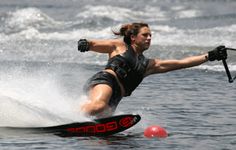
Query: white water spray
31,100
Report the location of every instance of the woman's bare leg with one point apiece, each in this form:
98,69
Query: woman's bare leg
98,100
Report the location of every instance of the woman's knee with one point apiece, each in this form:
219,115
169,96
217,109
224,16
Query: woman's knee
99,106
93,108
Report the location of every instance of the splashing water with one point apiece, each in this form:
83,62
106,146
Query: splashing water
30,100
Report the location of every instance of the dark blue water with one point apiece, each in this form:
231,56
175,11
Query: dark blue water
42,73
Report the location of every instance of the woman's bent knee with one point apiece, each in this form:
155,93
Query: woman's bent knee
93,108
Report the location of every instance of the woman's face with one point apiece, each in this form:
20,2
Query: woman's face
142,40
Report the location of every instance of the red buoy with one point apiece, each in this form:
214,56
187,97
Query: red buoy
155,131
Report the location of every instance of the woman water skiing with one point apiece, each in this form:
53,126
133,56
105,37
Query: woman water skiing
127,67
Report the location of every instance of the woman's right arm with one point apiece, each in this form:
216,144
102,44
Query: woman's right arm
101,46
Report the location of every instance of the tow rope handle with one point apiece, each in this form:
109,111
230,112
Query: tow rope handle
231,79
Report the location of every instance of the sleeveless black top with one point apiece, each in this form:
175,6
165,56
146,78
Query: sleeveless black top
129,68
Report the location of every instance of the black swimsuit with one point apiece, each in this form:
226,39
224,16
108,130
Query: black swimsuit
130,70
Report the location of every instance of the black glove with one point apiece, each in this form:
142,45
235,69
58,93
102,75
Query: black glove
219,53
83,45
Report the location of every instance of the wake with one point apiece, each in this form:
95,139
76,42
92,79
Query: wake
32,100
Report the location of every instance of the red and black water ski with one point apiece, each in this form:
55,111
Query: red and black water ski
99,127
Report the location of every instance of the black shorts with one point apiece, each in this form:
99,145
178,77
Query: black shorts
104,77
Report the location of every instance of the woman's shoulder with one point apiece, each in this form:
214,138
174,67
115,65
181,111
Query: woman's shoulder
119,47
119,44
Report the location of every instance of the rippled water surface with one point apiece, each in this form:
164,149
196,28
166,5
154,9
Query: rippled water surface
42,73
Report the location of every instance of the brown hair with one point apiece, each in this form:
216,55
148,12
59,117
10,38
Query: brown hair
127,30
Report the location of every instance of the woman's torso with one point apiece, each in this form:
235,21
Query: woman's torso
132,63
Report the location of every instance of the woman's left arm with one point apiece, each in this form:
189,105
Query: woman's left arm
162,66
